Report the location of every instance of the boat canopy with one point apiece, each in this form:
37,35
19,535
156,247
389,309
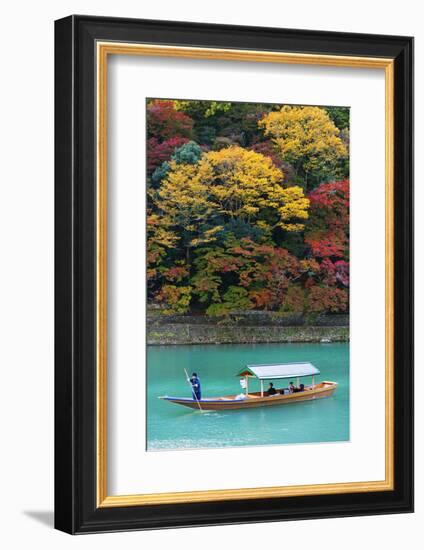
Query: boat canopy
281,370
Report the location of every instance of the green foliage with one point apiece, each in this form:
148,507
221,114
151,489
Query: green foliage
216,107
206,134
189,153
340,116
213,120
160,173
235,299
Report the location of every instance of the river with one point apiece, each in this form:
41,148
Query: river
172,427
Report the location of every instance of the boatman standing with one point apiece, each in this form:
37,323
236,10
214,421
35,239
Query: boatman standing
195,386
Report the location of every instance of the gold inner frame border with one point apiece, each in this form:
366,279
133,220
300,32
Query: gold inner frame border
103,50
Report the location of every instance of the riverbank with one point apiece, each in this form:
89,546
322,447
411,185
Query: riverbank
246,328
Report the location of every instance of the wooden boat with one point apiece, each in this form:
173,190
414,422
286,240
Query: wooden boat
249,400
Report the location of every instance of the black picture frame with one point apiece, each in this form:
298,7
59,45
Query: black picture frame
76,510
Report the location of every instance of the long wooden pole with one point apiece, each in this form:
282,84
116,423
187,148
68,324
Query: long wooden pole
192,390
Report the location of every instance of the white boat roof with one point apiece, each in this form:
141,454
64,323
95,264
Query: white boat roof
280,370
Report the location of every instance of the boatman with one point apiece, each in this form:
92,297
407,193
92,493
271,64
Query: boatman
195,387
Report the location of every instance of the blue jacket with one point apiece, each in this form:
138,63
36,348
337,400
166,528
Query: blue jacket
196,387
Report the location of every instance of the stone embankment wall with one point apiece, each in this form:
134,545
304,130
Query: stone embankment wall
246,328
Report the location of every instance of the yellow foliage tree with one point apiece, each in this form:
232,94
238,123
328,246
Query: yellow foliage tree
306,138
160,238
184,201
228,184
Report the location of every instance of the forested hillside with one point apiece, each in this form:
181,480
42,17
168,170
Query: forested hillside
248,207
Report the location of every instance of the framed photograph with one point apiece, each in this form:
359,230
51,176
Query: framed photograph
234,274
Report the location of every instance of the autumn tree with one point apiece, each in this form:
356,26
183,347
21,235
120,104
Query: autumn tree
327,235
229,184
308,139
185,204
246,185
165,122
160,239
327,231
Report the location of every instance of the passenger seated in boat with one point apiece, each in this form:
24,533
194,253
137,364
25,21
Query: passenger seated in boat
300,388
291,387
271,390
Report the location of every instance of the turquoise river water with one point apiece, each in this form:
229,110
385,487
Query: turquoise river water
171,426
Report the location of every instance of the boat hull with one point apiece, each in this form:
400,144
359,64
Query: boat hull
254,400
